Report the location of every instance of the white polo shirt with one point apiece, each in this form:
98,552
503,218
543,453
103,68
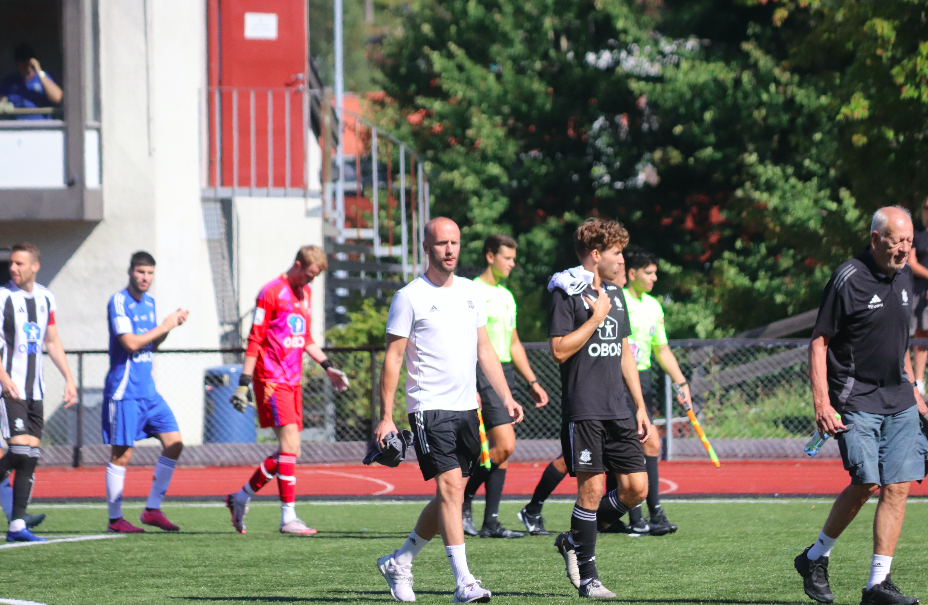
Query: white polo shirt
441,353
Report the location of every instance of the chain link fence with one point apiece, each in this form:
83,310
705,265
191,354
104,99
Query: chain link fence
752,397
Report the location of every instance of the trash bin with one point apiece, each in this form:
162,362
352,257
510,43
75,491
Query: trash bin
222,423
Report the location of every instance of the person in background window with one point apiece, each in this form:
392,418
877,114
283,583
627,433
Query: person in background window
29,86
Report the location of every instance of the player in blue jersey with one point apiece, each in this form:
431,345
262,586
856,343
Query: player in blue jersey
132,407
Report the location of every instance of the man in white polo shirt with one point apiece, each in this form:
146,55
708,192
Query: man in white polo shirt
437,321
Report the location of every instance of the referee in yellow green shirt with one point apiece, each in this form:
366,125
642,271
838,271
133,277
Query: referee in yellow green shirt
500,307
649,337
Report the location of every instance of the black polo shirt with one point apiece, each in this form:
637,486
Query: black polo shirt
867,314
920,245
592,387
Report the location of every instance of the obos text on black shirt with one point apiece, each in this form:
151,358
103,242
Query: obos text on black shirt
591,381
867,313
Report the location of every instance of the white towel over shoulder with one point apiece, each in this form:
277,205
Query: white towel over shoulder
573,281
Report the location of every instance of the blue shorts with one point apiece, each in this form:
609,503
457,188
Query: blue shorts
127,420
883,449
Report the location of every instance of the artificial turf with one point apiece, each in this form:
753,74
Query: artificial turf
728,552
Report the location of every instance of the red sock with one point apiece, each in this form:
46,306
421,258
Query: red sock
286,481
263,473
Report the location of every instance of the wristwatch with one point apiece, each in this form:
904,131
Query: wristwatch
533,382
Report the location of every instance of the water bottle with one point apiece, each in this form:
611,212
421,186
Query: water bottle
818,440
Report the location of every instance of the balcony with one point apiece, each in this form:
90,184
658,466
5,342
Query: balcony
51,168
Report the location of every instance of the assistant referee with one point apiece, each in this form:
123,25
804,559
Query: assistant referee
862,371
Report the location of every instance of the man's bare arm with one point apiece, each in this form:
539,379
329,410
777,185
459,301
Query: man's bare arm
818,362
56,354
389,380
633,383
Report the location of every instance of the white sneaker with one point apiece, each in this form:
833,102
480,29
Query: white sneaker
297,527
471,593
567,551
398,577
594,589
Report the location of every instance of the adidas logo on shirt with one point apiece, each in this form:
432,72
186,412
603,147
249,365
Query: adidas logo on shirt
433,309
875,302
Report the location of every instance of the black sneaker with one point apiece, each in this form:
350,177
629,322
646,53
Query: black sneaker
814,577
886,593
467,516
639,528
498,531
33,520
660,525
534,524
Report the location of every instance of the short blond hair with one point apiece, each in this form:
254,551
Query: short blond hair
312,255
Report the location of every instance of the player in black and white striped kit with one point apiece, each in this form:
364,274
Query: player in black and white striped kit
27,320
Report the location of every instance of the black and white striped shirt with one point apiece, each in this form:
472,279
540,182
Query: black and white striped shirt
24,319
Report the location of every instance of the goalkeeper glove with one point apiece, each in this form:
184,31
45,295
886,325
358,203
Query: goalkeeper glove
242,395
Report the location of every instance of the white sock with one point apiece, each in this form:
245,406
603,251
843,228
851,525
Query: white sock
458,559
287,512
164,470
822,547
17,525
243,496
879,569
115,481
410,549
6,498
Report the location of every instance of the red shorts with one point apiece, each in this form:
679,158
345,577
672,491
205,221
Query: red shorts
279,404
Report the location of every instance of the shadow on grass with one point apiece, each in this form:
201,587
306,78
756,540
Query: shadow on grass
379,596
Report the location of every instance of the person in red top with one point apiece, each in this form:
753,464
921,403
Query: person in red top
274,367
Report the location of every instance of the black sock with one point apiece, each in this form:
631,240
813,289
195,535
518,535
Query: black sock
634,515
477,477
23,482
550,479
610,509
13,459
654,485
495,483
583,535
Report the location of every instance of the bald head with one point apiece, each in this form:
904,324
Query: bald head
891,235
442,245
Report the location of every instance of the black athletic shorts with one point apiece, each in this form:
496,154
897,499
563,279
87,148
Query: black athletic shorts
21,417
598,446
492,409
446,440
647,393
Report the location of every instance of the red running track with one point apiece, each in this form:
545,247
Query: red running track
677,478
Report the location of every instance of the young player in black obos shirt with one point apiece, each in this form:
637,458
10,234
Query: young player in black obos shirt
588,331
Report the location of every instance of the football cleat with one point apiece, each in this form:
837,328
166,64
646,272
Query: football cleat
471,593
33,520
814,577
156,518
23,535
121,526
398,577
660,525
297,528
563,546
498,531
594,589
639,528
467,518
238,512
534,524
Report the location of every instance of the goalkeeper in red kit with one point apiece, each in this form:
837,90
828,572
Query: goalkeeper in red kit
274,368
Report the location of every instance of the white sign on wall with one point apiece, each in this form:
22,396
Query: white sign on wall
260,26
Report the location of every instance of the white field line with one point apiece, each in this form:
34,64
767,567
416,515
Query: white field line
554,500
18,602
56,541
671,486
387,487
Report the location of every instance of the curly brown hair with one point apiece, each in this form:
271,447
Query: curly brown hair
598,234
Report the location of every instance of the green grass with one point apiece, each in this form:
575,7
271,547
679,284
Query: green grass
730,552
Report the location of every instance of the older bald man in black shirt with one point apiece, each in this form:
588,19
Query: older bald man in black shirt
863,389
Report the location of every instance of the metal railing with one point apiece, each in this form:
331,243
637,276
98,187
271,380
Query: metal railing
752,397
